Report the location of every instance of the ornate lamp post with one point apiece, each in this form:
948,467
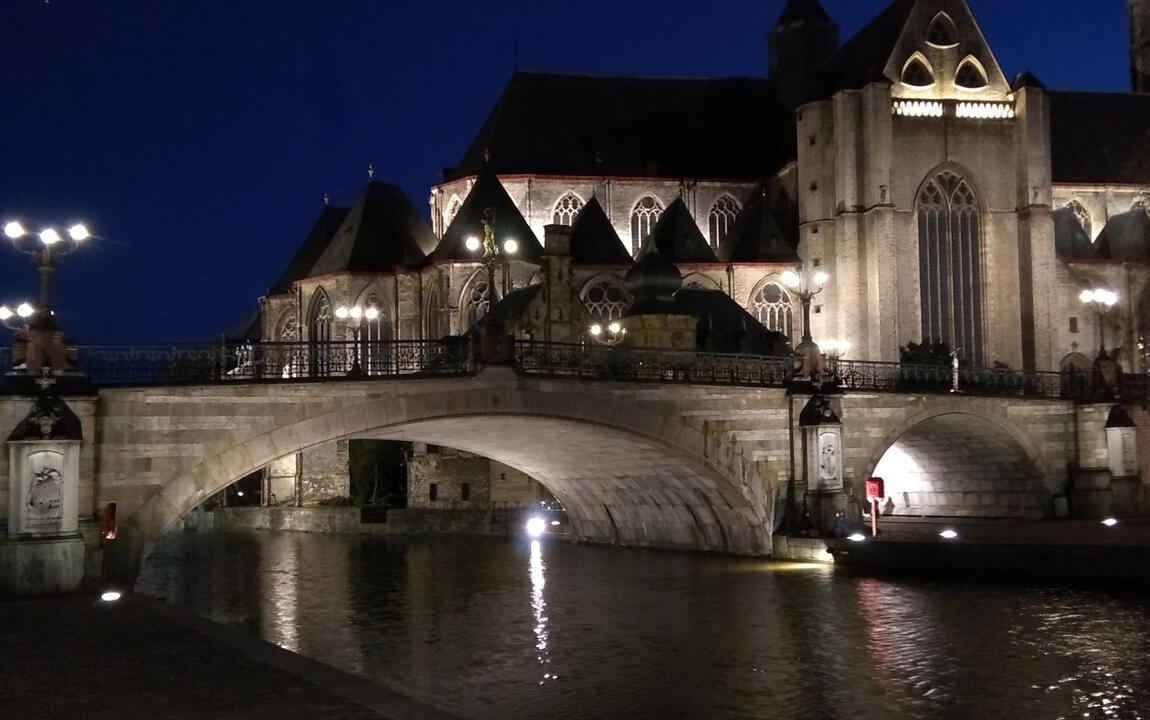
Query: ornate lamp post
612,334
355,316
1100,301
43,342
806,285
835,349
494,254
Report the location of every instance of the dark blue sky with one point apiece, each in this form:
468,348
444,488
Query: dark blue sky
197,137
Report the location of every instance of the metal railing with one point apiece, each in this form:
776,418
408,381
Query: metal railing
121,365
620,363
108,365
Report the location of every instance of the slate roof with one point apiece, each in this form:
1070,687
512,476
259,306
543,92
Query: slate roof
758,236
1070,239
512,305
799,10
677,237
1126,237
549,124
594,240
725,327
1100,137
249,327
313,246
861,59
382,231
487,193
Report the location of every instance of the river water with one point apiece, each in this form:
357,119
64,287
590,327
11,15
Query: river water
490,628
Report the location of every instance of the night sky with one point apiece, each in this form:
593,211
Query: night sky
197,137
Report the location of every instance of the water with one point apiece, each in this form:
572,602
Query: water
511,629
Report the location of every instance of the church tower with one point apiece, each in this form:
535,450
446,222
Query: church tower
1140,45
803,37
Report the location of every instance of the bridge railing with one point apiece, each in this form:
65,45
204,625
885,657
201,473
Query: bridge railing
107,365
619,363
904,377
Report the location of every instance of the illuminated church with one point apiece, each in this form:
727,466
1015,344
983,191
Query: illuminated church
942,199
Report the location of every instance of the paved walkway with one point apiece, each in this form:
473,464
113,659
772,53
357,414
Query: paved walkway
1129,532
76,658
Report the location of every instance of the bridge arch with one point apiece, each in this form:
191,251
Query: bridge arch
961,463
628,471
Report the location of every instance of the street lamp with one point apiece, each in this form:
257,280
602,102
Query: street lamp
354,316
494,254
1100,301
806,285
42,347
612,334
835,349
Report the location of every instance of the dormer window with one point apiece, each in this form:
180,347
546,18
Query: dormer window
917,73
970,75
942,32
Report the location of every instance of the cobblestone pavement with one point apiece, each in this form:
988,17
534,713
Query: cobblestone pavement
77,658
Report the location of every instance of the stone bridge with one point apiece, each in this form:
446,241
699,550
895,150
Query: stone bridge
672,465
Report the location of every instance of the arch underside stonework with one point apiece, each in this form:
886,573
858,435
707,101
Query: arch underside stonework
960,465
627,472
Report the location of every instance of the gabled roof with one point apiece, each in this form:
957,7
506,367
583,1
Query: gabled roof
550,124
861,60
249,327
799,10
1100,137
382,231
512,305
677,237
594,240
487,194
313,246
1126,237
757,236
726,327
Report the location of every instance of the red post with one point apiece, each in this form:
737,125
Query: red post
108,530
875,491
874,517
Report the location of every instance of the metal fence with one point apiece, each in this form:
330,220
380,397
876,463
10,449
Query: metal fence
859,375
107,365
619,363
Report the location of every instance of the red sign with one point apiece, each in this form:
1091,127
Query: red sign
875,489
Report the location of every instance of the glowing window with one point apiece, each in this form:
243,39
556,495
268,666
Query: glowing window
721,218
772,307
942,32
950,265
566,209
605,301
970,76
917,73
643,219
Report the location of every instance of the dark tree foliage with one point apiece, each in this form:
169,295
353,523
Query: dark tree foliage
928,352
378,472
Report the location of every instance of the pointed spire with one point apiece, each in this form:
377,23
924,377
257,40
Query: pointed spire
326,199
370,171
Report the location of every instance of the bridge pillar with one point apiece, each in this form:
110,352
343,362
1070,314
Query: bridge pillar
43,552
822,433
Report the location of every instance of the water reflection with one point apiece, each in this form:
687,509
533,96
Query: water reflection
485,628
539,608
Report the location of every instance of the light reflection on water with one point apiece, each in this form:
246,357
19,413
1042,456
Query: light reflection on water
498,629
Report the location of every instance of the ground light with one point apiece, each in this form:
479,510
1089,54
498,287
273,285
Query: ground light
110,596
948,534
536,526
1109,522
857,537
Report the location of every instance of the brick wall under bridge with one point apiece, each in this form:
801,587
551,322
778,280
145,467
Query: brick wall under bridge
665,465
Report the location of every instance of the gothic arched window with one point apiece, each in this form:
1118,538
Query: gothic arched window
374,335
643,218
771,306
290,355
970,76
950,265
566,209
605,301
917,73
942,32
720,220
319,334
432,320
476,299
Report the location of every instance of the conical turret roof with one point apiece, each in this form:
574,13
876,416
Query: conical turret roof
382,231
594,240
313,246
757,236
487,194
677,238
